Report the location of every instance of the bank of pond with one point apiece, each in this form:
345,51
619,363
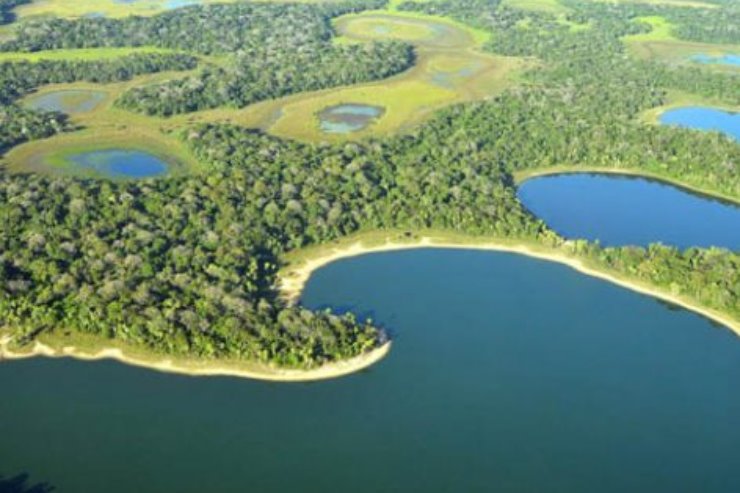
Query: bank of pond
507,374
703,118
625,210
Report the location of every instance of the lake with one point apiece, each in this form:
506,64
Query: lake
507,374
118,163
70,101
704,119
346,118
624,210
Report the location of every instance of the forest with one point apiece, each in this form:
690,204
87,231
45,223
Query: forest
188,265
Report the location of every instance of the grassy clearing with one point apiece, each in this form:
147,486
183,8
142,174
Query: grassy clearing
405,103
661,30
537,5
448,70
680,52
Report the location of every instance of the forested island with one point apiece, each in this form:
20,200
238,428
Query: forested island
189,266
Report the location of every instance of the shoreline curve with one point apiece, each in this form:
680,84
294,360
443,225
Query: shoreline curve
203,368
294,278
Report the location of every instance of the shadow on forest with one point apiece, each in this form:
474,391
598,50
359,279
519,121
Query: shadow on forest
20,484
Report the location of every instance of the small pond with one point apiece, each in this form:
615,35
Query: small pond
622,210
726,59
118,164
69,101
700,118
346,118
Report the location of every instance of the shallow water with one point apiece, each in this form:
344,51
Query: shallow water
346,118
726,59
507,374
70,101
621,210
704,119
119,163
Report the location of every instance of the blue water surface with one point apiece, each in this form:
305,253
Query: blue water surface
621,210
119,163
701,118
726,59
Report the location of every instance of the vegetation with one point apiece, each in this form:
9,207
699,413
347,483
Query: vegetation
278,50
188,265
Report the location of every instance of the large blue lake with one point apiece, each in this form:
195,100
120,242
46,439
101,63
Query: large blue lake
507,374
623,210
699,118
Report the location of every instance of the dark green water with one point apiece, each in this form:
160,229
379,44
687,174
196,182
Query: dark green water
507,374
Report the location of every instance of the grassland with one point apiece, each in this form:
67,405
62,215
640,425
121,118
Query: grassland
538,5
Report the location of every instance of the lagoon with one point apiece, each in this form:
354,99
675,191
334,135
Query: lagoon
700,118
507,374
625,210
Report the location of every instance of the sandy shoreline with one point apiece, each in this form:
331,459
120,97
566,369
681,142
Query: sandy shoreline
332,370
294,279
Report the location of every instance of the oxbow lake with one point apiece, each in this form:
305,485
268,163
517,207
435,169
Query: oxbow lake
118,164
507,374
623,210
700,118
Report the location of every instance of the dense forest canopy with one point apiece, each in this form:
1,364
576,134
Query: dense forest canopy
187,265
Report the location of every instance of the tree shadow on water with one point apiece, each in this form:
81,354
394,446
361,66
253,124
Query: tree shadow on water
20,484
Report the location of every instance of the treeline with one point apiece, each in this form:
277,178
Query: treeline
18,125
207,29
253,77
17,78
708,276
